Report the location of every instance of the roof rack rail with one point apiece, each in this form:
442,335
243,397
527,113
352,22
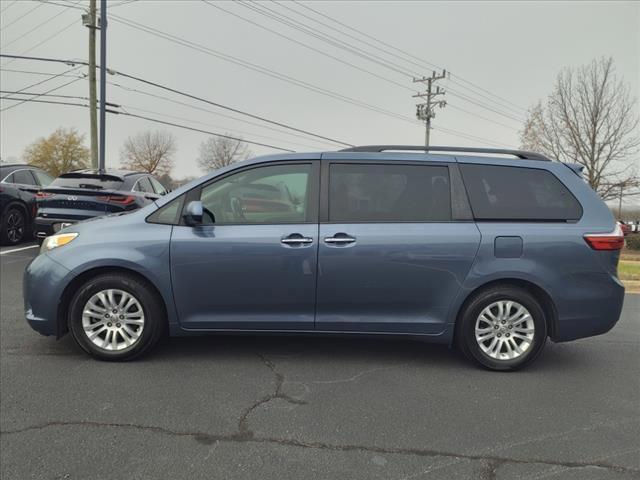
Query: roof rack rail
521,154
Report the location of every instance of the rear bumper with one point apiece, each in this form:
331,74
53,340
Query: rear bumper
44,227
44,281
589,307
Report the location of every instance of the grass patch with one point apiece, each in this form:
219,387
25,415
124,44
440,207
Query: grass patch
629,270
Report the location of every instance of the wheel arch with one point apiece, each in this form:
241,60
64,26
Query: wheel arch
539,293
78,280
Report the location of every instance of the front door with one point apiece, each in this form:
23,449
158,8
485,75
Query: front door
391,258
252,264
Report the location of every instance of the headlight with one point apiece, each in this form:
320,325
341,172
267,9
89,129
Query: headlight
56,241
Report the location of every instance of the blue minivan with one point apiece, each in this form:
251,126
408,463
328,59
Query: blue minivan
492,250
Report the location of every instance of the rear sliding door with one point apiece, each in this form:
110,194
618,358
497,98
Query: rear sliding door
393,248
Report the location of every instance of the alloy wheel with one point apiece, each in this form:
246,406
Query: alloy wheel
504,330
113,319
15,226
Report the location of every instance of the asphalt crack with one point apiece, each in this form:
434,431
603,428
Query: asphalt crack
243,425
489,463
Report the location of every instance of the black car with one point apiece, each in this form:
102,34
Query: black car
83,194
18,187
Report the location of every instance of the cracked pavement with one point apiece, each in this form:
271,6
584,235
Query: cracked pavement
321,408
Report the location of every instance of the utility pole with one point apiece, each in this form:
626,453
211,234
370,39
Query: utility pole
90,22
103,80
426,111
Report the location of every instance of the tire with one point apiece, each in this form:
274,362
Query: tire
502,328
14,226
114,333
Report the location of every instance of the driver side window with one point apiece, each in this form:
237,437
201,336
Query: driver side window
263,195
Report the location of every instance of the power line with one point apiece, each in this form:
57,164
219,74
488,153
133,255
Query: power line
308,46
31,72
333,41
194,107
23,100
258,68
286,20
155,120
48,91
34,28
43,94
55,34
219,105
406,54
21,16
8,6
54,76
204,131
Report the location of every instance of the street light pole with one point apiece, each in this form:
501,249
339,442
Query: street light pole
103,80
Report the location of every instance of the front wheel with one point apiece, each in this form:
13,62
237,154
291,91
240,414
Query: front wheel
503,328
116,317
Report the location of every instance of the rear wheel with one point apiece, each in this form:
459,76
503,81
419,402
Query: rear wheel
13,228
503,328
116,317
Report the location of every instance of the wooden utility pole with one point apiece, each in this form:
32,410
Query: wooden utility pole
426,111
103,82
93,100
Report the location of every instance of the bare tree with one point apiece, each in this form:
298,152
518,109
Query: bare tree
150,152
218,152
589,119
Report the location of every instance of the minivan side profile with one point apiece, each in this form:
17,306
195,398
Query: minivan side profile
446,244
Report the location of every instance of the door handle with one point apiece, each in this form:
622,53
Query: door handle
339,240
296,238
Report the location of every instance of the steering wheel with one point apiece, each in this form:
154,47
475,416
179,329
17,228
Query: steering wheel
236,208
209,214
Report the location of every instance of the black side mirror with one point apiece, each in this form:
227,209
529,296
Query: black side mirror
192,214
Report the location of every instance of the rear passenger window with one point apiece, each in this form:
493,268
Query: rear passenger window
389,193
24,177
518,193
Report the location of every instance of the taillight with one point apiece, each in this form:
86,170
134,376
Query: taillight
606,241
119,199
41,195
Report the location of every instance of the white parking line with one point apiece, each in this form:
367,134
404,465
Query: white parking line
3,252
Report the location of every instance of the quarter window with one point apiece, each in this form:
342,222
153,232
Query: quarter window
263,195
389,193
24,177
43,178
143,185
518,193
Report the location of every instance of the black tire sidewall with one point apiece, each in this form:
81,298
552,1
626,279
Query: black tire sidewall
466,332
153,314
4,230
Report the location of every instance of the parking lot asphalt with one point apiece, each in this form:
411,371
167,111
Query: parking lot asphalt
328,408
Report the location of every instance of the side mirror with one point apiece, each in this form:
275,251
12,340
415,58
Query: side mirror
192,214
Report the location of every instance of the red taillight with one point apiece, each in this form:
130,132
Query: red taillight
119,199
44,195
606,241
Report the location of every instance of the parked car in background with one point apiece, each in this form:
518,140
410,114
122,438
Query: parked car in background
626,228
18,186
84,194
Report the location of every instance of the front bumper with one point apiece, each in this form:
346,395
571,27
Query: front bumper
44,282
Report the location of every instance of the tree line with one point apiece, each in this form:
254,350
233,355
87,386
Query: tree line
148,151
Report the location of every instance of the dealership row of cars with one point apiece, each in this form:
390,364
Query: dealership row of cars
34,204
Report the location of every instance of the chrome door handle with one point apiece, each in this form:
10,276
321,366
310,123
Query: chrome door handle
297,240
339,239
